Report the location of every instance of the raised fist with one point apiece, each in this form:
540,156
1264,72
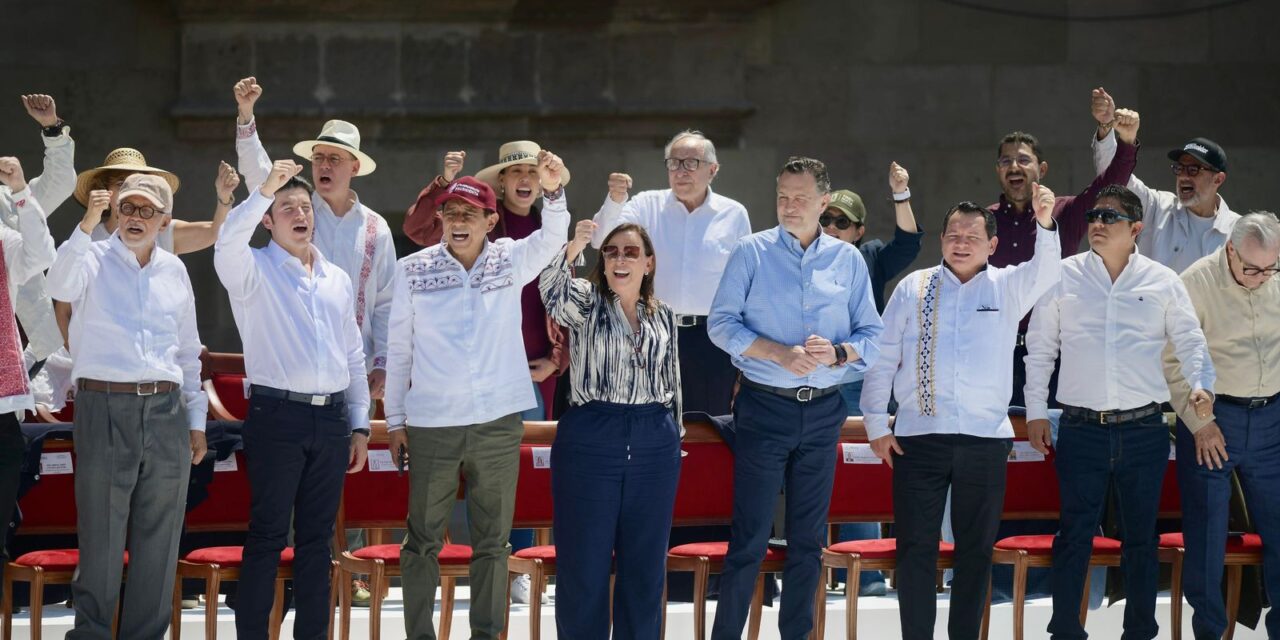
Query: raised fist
247,92
1127,122
549,166
11,174
619,185
1042,200
898,178
281,172
41,108
453,162
226,182
99,200
1103,107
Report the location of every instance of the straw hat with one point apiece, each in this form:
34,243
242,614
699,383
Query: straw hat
122,159
341,134
518,152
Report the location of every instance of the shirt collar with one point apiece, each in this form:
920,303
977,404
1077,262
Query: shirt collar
1005,205
672,200
793,245
117,245
319,204
279,257
946,269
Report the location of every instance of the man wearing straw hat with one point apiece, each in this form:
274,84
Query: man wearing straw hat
140,412
32,303
349,234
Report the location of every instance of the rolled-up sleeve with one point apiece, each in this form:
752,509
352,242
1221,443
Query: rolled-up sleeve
725,324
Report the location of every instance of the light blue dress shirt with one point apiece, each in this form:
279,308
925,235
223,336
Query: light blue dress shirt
774,289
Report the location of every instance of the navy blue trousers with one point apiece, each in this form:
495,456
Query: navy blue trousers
1253,450
779,441
1088,457
614,471
296,459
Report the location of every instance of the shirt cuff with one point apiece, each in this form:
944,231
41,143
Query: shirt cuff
379,362
196,418
246,130
741,341
58,140
20,198
358,416
1037,411
877,425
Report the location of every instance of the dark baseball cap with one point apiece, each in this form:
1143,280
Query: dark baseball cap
1204,150
471,191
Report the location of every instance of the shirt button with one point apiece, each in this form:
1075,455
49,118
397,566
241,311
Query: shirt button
1015,244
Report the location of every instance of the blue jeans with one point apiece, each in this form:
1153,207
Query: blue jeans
1089,457
1253,451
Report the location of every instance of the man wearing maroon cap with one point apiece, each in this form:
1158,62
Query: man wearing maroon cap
457,378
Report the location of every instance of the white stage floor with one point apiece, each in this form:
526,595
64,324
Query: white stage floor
877,619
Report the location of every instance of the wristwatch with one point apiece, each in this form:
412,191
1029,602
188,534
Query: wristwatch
361,430
56,129
902,197
842,356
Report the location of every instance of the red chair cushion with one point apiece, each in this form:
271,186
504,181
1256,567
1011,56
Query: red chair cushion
718,550
1247,543
1042,545
390,553
546,553
883,548
55,559
230,556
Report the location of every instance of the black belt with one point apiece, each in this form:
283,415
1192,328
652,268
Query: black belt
1080,414
1249,403
689,321
313,399
799,394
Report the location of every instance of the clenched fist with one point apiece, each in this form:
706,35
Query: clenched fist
898,178
453,162
619,185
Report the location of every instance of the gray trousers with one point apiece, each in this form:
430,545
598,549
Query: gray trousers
133,461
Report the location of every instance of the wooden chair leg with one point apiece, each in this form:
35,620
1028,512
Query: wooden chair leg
1084,598
1175,594
277,611
344,605
1019,594
37,603
700,577
175,611
212,584
613,579
335,583
377,580
820,603
662,631
8,604
1233,598
853,582
537,586
986,611
446,606
757,608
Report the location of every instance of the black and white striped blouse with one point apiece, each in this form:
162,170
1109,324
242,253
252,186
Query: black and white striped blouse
607,361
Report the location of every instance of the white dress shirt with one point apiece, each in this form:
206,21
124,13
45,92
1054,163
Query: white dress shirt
27,253
345,242
962,384
456,334
130,323
693,247
297,327
1114,335
1170,233
53,186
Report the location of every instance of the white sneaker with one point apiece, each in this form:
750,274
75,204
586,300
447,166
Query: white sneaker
521,587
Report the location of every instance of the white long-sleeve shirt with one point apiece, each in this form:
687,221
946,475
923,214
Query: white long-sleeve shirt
1114,336
130,323
53,186
359,243
297,328
1171,234
27,253
455,334
952,371
693,246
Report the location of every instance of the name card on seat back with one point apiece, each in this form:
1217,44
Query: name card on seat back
541,457
858,453
56,463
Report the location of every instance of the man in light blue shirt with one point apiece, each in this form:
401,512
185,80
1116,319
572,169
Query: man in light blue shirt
794,310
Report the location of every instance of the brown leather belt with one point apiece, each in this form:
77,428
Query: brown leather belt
131,388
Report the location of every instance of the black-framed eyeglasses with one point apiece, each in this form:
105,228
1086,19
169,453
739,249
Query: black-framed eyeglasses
688,164
1258,271
1023,161
144,212
614,252
1107,216
842,221
1189,170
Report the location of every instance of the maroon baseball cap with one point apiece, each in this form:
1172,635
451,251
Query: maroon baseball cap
471,191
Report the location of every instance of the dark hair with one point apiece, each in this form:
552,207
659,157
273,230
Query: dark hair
970,208
1021,137
105,178
815,168
297,182
646,284
1129,201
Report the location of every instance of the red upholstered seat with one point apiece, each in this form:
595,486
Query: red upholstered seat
390,553
55,559
1247,543
883,548
718,550
1043,545
546,553
230,556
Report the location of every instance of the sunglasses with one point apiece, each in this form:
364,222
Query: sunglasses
1189,170
1107,216
842,222
145,212
614,252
